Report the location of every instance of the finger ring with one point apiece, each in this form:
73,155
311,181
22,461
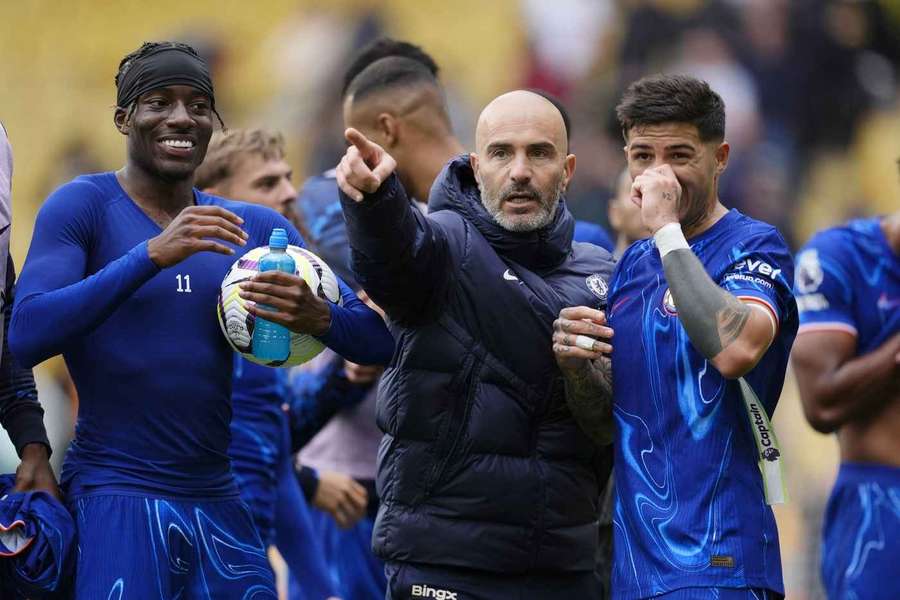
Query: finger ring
584,342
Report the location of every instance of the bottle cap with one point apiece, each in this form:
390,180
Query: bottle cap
279,239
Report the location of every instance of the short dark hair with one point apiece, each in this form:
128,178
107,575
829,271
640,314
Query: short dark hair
563,112
387,73
382,48
658,99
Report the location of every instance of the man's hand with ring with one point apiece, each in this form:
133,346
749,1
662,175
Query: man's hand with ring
580,334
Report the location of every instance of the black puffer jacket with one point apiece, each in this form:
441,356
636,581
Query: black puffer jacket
482,465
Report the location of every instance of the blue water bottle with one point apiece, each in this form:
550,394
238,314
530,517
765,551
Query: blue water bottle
271,341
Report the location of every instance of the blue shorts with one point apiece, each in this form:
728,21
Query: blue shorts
411,581
144,547
706,593
862,534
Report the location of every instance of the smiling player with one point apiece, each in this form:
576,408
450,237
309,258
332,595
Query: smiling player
122,279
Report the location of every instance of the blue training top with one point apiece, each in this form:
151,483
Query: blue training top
151,366
690,510
848,279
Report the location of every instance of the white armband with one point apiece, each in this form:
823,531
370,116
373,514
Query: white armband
669,238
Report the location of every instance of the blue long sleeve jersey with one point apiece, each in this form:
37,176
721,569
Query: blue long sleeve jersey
151,366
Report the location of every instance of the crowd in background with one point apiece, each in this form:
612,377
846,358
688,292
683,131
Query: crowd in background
811,89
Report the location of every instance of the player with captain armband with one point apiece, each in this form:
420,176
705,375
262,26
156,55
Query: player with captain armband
704,320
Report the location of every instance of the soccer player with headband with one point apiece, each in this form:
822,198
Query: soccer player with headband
122,278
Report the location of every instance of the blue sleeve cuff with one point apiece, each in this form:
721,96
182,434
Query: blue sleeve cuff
145,266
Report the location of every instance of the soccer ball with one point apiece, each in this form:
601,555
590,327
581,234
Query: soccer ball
237,322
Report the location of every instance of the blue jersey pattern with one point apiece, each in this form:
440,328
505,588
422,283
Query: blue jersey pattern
690,510
848,279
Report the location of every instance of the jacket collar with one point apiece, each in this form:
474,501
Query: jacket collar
541,250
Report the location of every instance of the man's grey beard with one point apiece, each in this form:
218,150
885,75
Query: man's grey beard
541,218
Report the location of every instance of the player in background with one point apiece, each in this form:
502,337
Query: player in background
21,414
847,362
348,444
625,216
249,165
122,279
704,320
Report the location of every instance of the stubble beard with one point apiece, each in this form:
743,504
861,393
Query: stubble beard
522,223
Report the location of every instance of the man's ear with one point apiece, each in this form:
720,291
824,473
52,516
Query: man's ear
722,154
389,128
473,162
569,169
121,120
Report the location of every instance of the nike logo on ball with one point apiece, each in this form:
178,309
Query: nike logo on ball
507,275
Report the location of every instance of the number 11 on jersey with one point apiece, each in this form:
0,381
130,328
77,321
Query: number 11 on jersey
186,279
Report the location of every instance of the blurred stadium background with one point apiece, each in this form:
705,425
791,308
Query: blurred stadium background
811,88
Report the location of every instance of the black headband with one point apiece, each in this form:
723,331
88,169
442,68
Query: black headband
167,65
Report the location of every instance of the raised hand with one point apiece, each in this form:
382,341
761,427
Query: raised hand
658,193
296,307
364,166
195,229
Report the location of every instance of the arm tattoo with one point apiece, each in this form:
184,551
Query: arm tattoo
712,317
731,320
589,396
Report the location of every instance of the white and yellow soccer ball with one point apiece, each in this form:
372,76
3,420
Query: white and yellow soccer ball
237,322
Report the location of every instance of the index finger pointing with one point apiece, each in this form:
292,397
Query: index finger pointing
367,149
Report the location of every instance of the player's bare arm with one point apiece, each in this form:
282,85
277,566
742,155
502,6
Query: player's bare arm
728,332
836,387
582,356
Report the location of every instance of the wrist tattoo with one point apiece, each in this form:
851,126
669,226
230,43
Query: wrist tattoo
589,396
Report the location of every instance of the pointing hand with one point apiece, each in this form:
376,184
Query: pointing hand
364,167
